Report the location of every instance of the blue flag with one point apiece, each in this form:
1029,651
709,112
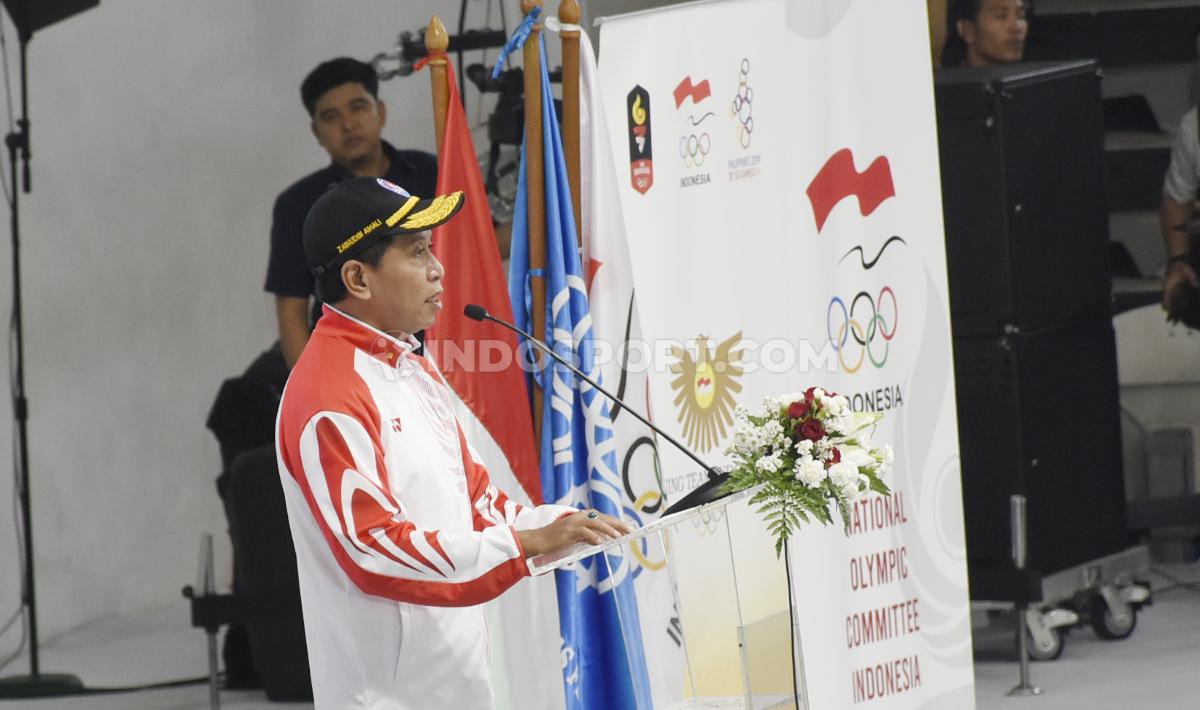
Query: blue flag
604,665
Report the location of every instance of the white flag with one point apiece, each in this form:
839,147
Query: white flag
615,323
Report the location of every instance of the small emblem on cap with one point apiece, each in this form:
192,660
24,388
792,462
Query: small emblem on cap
387,185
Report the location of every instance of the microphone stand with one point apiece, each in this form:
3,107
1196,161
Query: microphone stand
36,684
706,492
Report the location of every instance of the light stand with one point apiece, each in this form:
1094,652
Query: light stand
27,17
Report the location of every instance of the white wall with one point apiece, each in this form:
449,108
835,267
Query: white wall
162,131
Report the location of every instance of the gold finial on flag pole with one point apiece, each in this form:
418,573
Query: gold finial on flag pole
436,44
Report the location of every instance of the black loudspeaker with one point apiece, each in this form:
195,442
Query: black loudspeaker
1116,34
1023,195
29,16
1038,415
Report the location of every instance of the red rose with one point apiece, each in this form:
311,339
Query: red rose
836,457
808,395
812,430
798,410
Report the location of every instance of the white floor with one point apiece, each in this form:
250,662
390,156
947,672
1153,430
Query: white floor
1157,667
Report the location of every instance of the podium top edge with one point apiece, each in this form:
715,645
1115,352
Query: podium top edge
548,563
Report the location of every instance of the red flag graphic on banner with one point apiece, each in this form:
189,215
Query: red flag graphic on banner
839,179
469,352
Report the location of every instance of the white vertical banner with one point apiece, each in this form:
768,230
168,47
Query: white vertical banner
615,325
778,173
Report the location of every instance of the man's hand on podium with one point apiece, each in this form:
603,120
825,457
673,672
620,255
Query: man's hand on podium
588,527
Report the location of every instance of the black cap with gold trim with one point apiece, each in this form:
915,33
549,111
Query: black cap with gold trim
354,213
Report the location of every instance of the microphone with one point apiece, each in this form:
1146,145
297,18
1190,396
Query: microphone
706,492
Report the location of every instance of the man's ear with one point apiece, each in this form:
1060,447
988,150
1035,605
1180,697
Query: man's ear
966,31
356,281
382,108
312,126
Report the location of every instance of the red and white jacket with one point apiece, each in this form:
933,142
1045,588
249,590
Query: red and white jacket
399,533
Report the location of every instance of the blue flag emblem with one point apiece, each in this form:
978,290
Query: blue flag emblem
604,665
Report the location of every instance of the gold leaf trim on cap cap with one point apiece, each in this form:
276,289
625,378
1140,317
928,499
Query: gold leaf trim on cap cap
399,214
439,208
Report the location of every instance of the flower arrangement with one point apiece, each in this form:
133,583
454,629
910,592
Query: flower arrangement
808,450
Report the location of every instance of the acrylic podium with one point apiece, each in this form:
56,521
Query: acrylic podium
732,617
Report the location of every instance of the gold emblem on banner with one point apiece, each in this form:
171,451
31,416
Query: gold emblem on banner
705,387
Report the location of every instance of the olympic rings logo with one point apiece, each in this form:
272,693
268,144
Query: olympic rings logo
740,107
641,547
693,148
844,325
647,506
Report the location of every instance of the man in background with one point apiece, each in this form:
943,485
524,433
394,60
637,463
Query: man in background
347,118
986,33
1176,211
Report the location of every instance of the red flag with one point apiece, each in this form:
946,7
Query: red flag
839,179
467,351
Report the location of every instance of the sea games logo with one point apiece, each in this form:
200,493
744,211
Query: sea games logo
641,160
741,109
694,141
862,324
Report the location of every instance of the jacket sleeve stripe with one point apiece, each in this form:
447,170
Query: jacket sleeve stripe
431,537
386,543
373,541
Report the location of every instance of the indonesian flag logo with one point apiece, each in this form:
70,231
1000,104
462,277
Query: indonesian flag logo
838,179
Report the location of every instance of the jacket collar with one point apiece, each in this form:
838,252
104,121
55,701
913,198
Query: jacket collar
388,348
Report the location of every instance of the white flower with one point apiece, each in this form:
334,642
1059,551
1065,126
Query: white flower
841,424
809,471
772,406
744,441
804,447
850,490
769,464
822,448
884,456
856,455
859,421
843,473
773,433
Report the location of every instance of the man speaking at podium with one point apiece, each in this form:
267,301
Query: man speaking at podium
399,533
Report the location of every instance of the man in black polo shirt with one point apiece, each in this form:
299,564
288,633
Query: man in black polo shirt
341,96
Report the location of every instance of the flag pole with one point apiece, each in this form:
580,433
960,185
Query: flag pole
436,44
536,191
570,14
